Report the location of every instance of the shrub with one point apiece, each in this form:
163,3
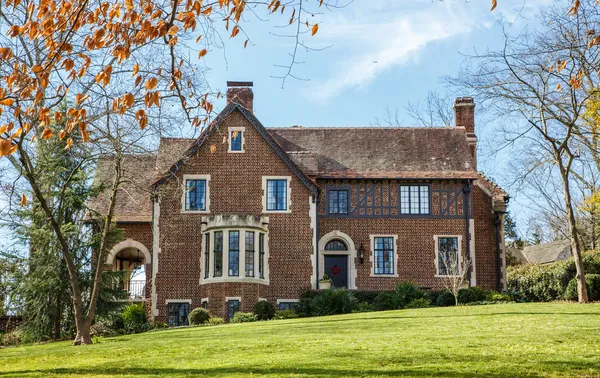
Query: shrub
365,296
159,325
12,338
96,339
213,321
386,301
198,316
363,307
285,314
480,293
135,318
103,327
304,307
243,317
593,288
540,283
264,310
499,297
445,298
432,295
467,295
333,302
407,292
418,303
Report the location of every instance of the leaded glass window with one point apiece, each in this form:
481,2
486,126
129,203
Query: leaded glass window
384,255
414,199
218,254
276,195
338,202
448,256
336,245
207,255
236,140
195,195
249,254
261,255
178,314
234,253
233,306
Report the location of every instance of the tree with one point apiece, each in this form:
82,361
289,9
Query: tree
453,267
545,79
111,64
435,110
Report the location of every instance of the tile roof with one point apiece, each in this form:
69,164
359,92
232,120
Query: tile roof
548,252
133,202
379,152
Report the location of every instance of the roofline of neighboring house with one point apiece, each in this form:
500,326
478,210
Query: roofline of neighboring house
261,130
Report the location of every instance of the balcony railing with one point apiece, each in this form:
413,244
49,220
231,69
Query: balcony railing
135,288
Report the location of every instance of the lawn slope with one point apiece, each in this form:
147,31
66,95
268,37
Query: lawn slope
511,340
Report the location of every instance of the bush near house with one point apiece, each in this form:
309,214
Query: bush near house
542,283
285,314
264,310
12,338
593,288
213,321
198,316
135,319
243,317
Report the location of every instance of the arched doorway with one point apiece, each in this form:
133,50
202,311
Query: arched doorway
337,259
130,257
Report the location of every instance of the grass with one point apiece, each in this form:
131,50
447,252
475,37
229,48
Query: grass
509,340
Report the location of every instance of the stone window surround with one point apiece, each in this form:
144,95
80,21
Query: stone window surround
372,255
460,256
241,131
289,194
184,190
288,301
227,223
188,301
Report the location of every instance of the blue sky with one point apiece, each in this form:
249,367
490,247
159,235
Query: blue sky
414,42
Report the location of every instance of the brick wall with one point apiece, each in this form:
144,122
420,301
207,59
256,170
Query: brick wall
235,188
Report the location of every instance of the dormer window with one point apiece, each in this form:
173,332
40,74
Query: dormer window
236,139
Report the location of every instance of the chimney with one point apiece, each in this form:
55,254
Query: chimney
240,92
464,116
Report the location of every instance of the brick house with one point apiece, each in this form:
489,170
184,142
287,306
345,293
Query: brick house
246,213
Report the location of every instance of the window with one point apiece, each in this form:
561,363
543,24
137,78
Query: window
233,306
207,255
236,139
338,202
234,253
204,303
195,195
178,314
383,253
276,195
336,245
261,255
448,256
288,305
414,199
218,254
249,254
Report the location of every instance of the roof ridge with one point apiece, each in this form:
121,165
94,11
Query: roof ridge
363,127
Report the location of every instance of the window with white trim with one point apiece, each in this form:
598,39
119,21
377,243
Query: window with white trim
414,199
218,251
234,253
277,195
195,195
236,139
249,252
383,255
233,306
178,313
448,258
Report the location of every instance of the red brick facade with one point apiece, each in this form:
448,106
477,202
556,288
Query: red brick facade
176,241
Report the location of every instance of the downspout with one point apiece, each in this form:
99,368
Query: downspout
152,198
467,199
498,222
316,198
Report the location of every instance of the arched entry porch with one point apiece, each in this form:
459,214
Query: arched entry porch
130,257
337,255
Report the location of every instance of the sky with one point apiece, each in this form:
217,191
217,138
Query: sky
377,54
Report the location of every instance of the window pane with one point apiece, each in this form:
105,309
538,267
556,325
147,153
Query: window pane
271,195
414,200
218,254
195,198
233,306
234,253
448,257
207,255
281,195
338,202
343,202
424,194
261,256
178,314
249,254
336,245
404,200
236,141
384,255
333,202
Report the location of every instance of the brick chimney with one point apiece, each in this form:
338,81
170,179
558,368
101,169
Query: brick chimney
240,92
464,116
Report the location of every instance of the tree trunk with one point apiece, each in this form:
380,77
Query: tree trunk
574,236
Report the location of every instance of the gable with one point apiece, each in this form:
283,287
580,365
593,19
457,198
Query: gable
212,129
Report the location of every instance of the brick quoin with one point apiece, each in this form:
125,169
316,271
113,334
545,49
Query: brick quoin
236,188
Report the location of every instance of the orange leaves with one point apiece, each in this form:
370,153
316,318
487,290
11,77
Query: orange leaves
207,11
173,30
7,101
68,64
314,29
62,134
6,147
245,43
151,83
575,8
142,119
128,100
202,53
5,53
235,31
494,5
136,69
47,133
69,144
213,148
80,98
23,200
152,98
103,78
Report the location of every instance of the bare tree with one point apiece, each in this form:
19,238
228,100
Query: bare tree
453,267
540,82
435,110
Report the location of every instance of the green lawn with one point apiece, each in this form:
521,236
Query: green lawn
511,340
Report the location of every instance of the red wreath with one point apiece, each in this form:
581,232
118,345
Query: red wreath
335,270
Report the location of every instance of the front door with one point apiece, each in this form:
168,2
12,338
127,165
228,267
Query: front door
336,267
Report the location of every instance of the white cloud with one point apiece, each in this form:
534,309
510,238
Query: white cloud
377,37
